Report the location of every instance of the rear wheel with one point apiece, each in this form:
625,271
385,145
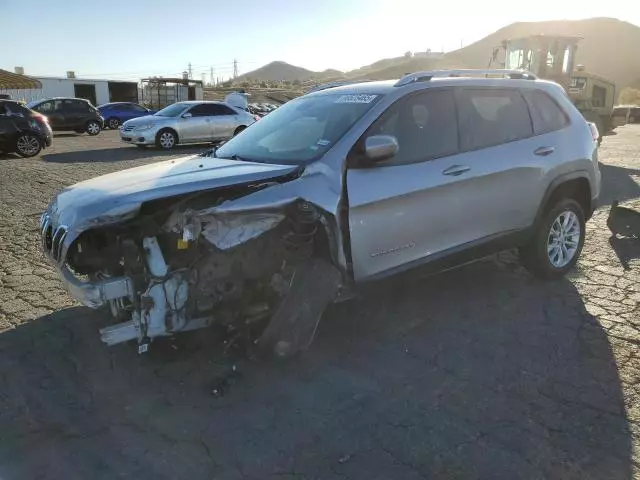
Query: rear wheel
557,242
28,145
238,130
113,123
93,128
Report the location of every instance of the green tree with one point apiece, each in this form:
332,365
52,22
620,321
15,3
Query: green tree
629,96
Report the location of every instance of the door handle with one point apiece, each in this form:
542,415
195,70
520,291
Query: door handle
456,170
544,151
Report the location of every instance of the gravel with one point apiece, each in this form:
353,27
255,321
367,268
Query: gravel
482,372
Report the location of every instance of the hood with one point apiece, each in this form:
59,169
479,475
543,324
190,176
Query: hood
146,118
118,196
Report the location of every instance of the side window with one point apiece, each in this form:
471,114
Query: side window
45,107
546,115
201,110
137,108
491,116
222,110
424,125
78,106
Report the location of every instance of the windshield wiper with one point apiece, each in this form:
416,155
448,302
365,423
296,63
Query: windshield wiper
235,156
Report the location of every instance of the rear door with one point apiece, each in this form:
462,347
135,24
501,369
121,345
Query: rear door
224,121
79,113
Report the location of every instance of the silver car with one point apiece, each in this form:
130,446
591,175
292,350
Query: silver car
331,191
186,122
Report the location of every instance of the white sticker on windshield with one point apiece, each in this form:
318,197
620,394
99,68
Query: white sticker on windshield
363,98
323,143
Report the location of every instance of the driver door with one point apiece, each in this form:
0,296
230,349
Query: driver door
196,127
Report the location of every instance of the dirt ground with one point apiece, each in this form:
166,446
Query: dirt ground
482,372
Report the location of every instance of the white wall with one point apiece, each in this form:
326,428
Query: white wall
61,87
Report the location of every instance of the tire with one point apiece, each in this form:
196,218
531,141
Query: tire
239,129
93,128
166,139
113,123
540,257
28,145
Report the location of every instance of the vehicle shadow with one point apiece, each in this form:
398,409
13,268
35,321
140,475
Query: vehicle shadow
68,134
481,372
616,180
121,154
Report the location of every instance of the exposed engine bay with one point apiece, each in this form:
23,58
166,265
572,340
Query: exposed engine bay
179,265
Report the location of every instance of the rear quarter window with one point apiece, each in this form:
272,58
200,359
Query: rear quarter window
546,114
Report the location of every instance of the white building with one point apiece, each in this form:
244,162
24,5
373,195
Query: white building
96,91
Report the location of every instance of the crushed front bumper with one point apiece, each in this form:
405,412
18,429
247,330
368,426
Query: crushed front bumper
93,294
138,137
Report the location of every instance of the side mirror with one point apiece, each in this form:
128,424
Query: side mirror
380,147
187,115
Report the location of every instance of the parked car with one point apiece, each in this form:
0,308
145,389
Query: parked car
330,192
186,122
22,130
119,112
75,114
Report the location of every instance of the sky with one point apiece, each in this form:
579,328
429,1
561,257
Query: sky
130,39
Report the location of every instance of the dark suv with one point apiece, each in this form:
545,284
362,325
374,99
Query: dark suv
22,130
74,114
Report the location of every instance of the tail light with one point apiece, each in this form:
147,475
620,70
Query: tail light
256,117
42,118
595,134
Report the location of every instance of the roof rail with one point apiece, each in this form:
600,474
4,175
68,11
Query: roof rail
428,75
338,83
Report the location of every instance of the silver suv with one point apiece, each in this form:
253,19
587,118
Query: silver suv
186,122
331,191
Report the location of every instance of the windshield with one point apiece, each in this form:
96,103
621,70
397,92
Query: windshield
172,110
301,130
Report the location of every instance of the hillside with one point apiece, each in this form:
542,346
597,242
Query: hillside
278,71
609,48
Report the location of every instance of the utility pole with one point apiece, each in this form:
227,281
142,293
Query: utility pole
190,71
235,68
211,76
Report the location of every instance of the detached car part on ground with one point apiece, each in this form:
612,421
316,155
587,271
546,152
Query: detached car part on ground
329,192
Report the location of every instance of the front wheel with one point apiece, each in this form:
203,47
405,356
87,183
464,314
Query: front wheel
93,128
166,139
28,145
557,242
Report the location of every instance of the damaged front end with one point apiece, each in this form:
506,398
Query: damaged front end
199,259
